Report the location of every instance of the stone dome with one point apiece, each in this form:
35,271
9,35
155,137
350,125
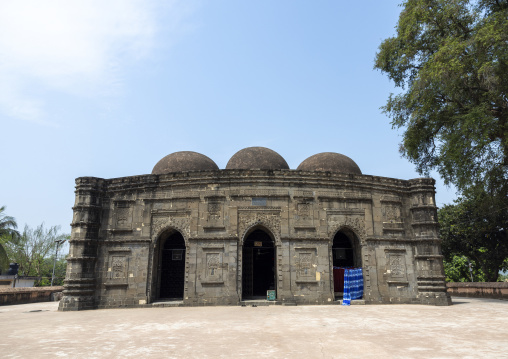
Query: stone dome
184,161
330,161
257,158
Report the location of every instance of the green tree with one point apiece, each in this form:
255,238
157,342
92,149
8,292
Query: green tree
450,59
47,271
34,247
475,227
457,270
8,233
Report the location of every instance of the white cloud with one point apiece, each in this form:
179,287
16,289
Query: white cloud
76,47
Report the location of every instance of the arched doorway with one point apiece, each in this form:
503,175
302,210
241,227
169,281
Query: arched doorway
172,267
343,256
258,265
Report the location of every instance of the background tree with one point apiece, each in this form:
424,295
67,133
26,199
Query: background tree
457,270
476,226
8,233
34,248
450,58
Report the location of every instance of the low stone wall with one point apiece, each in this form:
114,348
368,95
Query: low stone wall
495,290
10,296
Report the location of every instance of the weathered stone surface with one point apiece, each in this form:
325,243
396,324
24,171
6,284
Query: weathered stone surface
495,290
23,295
330,161
120,227
257,158
184,161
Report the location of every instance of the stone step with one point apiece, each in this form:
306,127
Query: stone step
353,302
258,302
168,303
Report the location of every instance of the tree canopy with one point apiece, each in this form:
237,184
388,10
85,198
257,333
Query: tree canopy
476,227
8,232
34,247
450,59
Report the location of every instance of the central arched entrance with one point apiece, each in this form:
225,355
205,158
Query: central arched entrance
258,267
172,267
344,256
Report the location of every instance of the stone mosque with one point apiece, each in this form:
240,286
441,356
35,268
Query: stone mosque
191,234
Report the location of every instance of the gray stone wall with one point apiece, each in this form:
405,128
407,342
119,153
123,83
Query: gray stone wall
118,225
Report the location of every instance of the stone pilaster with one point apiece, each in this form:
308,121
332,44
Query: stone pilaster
79,284
427,244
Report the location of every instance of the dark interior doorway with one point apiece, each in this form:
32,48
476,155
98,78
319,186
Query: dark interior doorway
172,268
342,251
343,257
258,271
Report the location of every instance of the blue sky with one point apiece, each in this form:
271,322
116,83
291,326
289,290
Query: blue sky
107,88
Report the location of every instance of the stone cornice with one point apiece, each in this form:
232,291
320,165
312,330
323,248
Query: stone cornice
275,180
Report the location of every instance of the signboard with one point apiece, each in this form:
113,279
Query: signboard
177,254
270,295
258,244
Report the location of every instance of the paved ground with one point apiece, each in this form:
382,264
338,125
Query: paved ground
472,328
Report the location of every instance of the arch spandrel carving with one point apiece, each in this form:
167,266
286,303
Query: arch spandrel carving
163,224
357,225
260,225
247,220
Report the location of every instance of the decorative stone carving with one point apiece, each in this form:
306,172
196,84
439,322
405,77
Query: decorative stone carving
267,218
213,265
117,267
303,210
159,224
396,266
356,224
305,264
392,213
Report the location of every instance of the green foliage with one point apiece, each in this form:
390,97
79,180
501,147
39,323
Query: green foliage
8,233
450,58
503,277
457,270
476,227
47,272
34,248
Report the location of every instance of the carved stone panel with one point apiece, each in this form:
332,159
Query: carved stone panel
118,267
305,265
304,219
213,267
214,215
397,266
424,215
303,210
122,215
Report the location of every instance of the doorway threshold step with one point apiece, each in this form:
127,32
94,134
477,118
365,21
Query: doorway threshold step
353,302
258,302
168,303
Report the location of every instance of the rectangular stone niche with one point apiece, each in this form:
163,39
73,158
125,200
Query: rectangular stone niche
118,267
213,265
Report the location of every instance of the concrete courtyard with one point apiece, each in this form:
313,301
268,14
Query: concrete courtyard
471,328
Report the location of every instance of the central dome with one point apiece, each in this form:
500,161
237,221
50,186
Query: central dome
261,158
184,161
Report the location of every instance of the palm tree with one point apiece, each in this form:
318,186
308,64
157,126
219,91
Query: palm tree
8,232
